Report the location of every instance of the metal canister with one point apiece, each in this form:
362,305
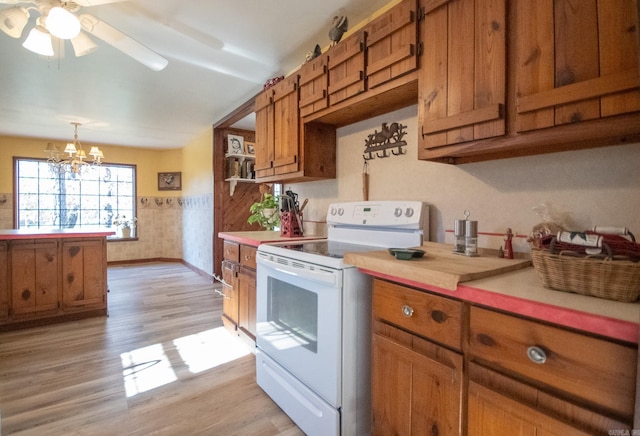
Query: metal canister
459,232
471,238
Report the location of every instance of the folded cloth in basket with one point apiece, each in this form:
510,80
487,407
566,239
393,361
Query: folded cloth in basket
590,242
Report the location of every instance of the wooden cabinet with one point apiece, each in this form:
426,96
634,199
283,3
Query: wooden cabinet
576,61
392,44
4,282
247,291
462,77
277,130
239,292
569,77
445,366
346,68
51,280
230,294
34,278
84,282
416,383
591,372
314,80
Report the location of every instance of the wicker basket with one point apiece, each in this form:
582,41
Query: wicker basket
605,278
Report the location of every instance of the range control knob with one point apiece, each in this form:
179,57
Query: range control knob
398,212
333,211
409,212
340,211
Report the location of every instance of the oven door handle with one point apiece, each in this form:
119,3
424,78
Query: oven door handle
317,274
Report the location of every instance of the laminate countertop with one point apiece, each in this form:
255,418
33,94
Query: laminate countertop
516,290
14,234
255,238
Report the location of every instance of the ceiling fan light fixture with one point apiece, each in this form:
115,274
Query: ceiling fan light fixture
83,45
13,21
62,23
39,41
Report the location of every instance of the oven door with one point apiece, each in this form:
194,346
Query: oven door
299,321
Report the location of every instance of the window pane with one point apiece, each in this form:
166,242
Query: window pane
49,199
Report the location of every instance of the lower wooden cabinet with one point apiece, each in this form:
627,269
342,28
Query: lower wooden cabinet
83,276
4,282
510,375
239,291
247,306
34,278
416,387
230,294
46,280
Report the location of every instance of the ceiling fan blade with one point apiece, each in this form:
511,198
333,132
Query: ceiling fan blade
122,42
87,3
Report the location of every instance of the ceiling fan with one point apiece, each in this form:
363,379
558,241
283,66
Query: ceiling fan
57,18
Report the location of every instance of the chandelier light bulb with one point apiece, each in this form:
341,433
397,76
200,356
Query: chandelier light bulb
62,23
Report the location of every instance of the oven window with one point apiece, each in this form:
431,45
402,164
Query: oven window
293,311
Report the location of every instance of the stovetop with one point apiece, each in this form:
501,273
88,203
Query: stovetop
328,248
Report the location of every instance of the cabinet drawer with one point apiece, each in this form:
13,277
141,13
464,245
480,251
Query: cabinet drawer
231,251
586,368
248,256
424,314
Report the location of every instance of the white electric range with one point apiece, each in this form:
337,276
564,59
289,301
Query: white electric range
313,315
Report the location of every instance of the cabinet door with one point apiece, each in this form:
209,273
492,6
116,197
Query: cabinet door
247,291
492,414
34,277
346,68
462,77
392,44
577,61
84,273
286,131
314,79
264,134
4,288
414,392
230,294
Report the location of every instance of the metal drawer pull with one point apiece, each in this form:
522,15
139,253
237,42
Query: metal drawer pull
537,355
407,311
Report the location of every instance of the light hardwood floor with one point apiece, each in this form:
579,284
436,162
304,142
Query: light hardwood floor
156,365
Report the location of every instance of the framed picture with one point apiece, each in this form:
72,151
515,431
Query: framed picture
235,144
170,181
250,147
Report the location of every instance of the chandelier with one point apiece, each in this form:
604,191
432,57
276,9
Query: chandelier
75,162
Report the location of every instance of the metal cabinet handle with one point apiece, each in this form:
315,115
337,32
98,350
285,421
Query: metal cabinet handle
407,311
536,355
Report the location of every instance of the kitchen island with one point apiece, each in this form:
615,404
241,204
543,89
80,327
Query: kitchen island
51,276
496,350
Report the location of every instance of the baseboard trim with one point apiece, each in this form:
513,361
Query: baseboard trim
163,259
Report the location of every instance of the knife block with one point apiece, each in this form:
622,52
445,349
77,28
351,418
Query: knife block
290,225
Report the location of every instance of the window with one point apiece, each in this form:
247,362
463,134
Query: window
47,199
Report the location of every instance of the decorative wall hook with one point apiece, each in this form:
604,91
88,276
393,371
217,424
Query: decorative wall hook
389,138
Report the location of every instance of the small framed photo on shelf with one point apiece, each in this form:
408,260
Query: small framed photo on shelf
235,144
170,181
250,148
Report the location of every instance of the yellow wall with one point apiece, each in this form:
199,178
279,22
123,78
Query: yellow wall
197,159
149,162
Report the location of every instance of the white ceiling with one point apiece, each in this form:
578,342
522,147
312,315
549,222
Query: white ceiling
220,54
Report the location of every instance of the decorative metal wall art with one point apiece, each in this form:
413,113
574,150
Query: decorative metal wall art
390,137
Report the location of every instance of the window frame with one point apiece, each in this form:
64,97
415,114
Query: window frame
16,204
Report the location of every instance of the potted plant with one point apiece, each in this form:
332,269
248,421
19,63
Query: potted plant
125,225
265,212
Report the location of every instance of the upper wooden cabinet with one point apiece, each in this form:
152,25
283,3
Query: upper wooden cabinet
314,80
392,44
568,78
462,78
346,68
577,61
277,129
